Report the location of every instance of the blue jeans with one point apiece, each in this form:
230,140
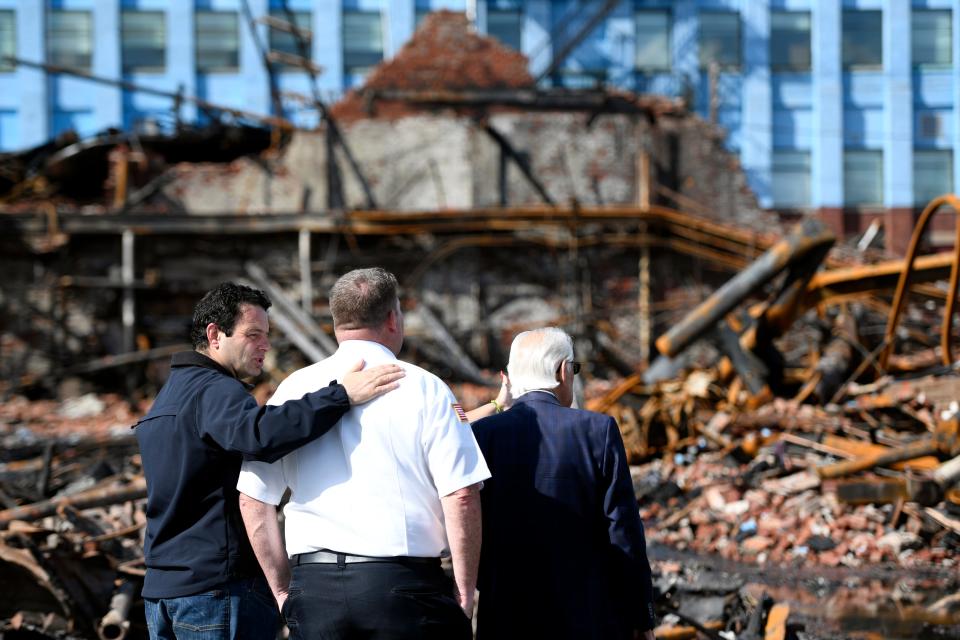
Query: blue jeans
239,610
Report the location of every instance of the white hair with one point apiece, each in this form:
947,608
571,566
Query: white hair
535,357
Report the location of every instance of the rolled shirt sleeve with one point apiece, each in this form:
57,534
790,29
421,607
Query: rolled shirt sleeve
453,455
262,481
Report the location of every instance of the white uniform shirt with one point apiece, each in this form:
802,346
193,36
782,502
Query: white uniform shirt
372,484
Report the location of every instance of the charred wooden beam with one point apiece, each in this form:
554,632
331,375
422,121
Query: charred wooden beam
98,497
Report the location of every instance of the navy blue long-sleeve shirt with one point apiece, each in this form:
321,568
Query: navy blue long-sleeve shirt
202,425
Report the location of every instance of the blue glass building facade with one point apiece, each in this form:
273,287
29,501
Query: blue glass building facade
829,104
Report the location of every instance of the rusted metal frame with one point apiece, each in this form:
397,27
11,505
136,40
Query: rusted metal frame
945,441
926,491
682,200
451,246
644,316
158,223
591,100
751,369
899,297
877,277
522,163
810,238
696,235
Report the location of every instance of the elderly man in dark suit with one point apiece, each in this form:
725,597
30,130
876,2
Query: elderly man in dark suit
564,554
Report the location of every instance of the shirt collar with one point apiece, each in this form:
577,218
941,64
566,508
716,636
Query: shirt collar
540,395
197,359
371,352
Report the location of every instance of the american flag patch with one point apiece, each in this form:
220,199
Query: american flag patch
461,414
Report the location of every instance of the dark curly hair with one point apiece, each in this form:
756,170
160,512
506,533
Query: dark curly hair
221,306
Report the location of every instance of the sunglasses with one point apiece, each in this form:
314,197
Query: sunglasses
576,366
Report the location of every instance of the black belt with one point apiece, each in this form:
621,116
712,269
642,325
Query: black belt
333,557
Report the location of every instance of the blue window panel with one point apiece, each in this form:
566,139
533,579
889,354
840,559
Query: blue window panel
719,39
143,41
863,128
83,122
931,38
933,88
864,89
590,59
933,128
9,130
362,44
793,129
506,25
376,6
653,52
863,177
862,39
70,38
791,91
790,40
8,39
932,174
791,178
285,42
217,41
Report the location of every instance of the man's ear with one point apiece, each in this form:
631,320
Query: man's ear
562,372
213,335
392,324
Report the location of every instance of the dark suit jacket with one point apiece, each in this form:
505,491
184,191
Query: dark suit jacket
564,555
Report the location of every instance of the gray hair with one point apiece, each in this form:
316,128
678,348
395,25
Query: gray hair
363,298
535,357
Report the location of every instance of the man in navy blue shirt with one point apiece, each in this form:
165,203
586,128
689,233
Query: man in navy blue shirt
202,579
563,554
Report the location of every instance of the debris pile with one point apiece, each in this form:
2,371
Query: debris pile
71,550
818,426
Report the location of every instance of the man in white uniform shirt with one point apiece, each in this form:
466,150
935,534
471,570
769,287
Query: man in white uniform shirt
376,501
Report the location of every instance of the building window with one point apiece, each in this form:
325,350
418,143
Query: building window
70,39
791,179
284,42
790,41
932,175
143,40
8,39
653,40
218,41
862,39
720,39
863,178
506,25
932,38
362,42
